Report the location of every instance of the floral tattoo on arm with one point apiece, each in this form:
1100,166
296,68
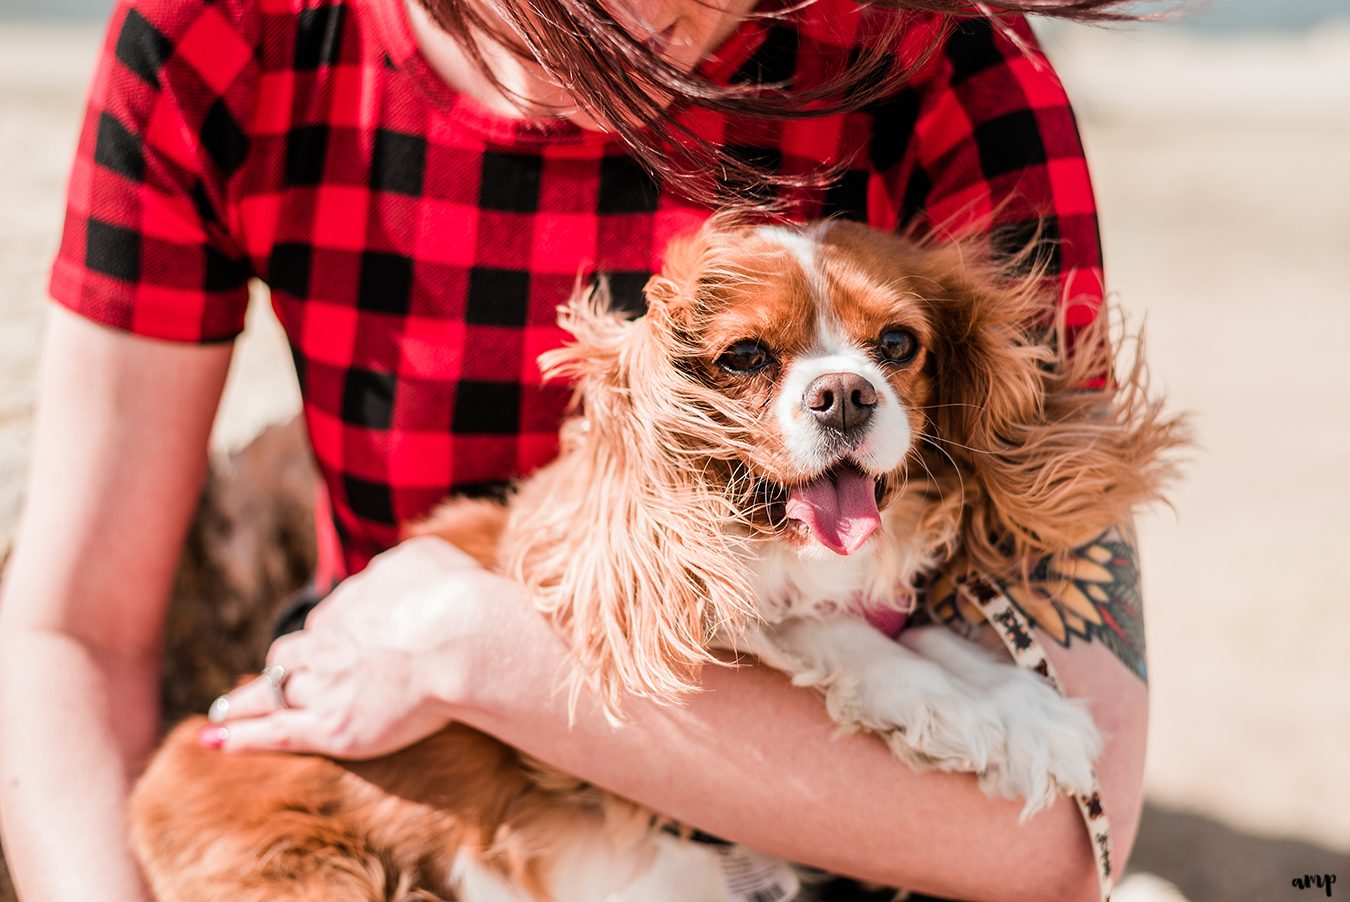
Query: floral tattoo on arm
1090,595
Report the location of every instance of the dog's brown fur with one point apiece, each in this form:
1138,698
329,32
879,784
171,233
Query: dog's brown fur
269,827
274,827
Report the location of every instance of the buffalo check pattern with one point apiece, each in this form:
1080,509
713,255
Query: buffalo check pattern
417,245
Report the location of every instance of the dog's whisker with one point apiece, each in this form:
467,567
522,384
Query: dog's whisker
952,404
935,439
961,479
904,476
914,452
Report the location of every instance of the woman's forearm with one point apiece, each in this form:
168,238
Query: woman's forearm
118,457
756,760
64,707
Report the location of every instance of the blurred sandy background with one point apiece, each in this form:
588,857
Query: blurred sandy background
1221,152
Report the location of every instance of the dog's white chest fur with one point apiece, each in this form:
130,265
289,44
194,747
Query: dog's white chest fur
789,583
815,582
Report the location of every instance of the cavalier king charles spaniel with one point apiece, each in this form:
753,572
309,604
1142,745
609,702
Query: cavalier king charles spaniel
807,422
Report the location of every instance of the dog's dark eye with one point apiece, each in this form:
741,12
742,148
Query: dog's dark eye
898,345
745,357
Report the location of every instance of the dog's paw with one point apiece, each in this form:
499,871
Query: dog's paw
1050,743
927,717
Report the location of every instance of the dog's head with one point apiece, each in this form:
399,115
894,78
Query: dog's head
828,347
790,384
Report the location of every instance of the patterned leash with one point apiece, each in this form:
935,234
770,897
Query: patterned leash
1027,652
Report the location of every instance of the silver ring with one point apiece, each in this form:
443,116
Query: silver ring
276,675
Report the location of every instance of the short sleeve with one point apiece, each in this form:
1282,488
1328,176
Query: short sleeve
993,146
149,242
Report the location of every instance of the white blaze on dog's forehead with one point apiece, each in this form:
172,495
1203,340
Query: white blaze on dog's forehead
831,340
803,244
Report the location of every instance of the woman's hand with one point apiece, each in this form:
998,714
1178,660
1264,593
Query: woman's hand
378,662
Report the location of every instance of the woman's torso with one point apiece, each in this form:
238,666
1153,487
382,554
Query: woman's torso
417,246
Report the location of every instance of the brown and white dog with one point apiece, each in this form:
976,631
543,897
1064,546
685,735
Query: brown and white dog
806,420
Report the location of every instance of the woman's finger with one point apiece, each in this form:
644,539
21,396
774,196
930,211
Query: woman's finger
290,730
259,696
301,688
290,651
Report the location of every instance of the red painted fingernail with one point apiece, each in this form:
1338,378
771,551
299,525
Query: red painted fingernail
212,736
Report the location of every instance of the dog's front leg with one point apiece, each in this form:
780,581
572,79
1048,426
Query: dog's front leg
929,716
939,702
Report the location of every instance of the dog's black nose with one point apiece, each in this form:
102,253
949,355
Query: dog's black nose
841,401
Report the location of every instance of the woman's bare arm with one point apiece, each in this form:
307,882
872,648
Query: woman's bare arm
118,460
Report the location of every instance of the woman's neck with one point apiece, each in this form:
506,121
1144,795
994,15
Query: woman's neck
526,88
525,83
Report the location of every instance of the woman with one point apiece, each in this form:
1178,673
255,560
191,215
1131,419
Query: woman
419,186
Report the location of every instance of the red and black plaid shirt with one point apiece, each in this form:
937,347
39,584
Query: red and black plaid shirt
417,246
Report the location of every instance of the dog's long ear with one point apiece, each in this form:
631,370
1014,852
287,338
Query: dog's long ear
1052,446
622,540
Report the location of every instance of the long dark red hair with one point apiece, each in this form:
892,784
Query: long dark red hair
623,83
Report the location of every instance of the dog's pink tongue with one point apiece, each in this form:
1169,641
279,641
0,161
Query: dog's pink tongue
839,507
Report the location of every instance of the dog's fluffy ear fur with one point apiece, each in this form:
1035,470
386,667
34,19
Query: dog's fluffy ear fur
623,541
1052,447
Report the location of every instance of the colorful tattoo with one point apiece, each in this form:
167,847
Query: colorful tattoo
1092,594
